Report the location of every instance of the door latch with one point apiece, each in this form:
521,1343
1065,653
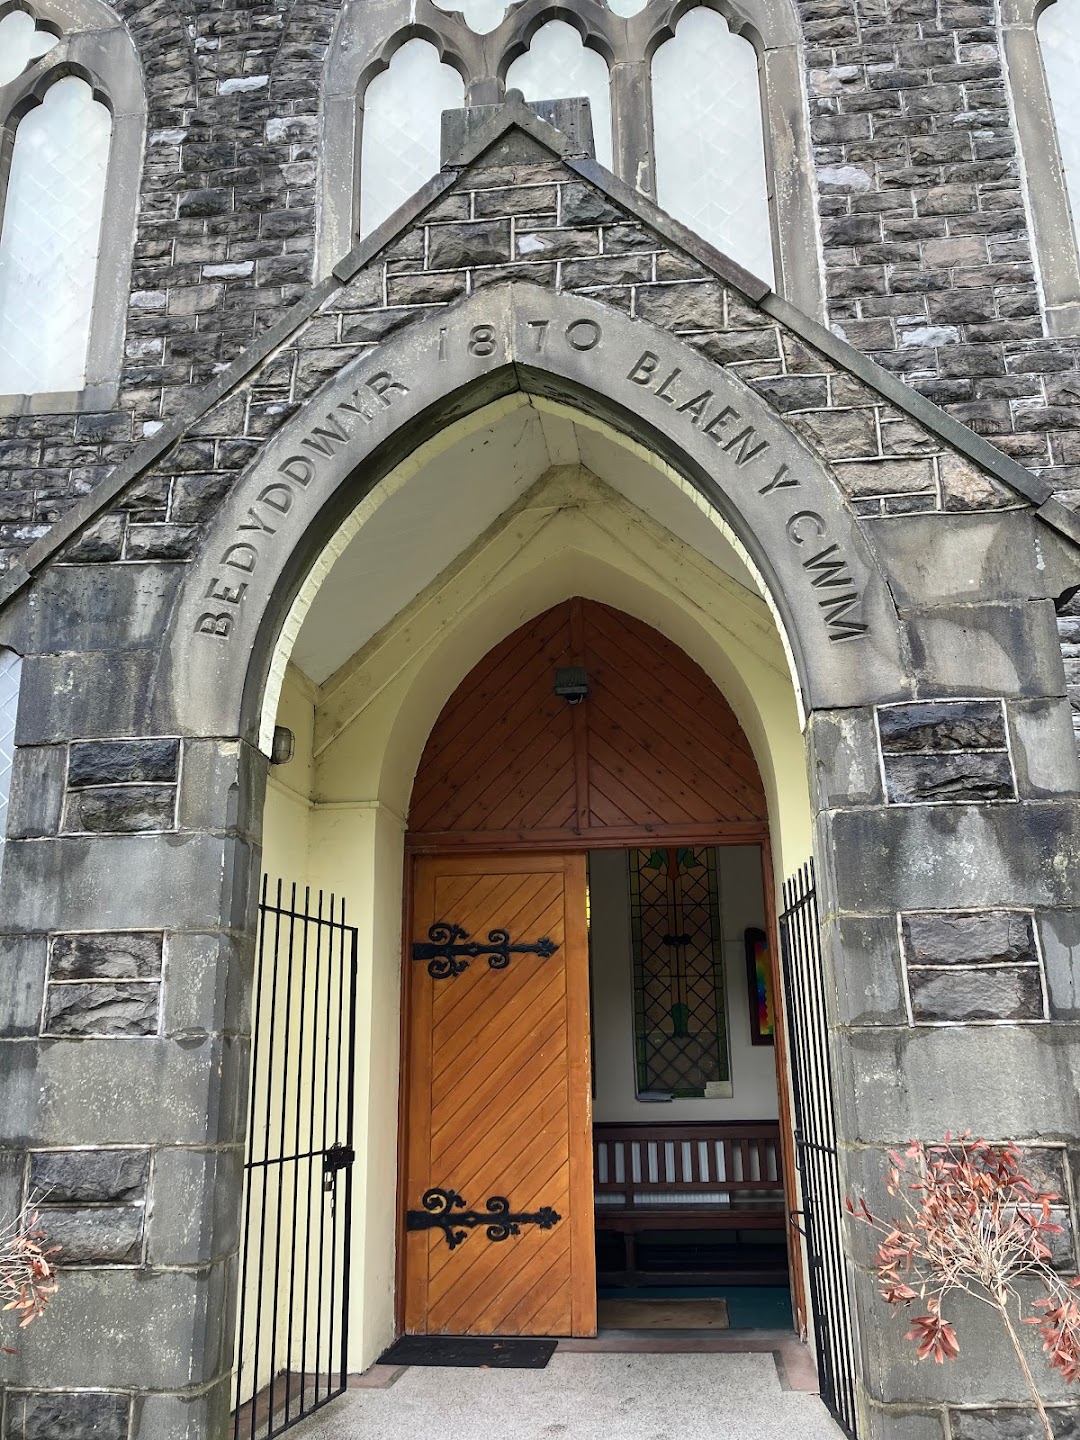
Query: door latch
338,1157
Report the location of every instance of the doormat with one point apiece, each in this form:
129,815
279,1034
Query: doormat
465,1352
662,1314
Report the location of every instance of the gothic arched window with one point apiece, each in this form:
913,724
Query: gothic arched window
710,150
68,188
693,107
559,66
403,107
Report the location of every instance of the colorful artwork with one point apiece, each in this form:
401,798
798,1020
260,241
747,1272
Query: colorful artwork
759,983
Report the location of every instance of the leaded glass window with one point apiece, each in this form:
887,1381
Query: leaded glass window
710,150
1059,36
402,119
680,1011
50,238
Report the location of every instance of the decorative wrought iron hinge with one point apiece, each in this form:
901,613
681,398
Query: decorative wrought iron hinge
447,955
445,1210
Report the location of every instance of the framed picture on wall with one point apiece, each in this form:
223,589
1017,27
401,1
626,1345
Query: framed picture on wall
759,985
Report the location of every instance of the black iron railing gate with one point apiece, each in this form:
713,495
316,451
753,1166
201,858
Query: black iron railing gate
815,1147
292,1332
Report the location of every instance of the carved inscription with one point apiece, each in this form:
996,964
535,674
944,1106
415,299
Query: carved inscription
241,558
829,578
826,569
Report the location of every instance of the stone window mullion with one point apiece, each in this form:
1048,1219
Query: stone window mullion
632,125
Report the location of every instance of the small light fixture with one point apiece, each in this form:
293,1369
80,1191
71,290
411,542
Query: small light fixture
283,747
572,684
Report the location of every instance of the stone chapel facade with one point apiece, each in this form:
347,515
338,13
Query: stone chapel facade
874,454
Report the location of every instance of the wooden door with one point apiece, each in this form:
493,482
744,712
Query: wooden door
499,1099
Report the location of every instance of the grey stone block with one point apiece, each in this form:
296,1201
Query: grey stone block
90,607
941,857
1005,649
22,983
102,1008
121,809
155,1092
894,1422
942,726
89,1176
990,1079
844,763
208,986
693,305
221,787
959,777
66,1415
1059,931
174,1325
69,696
185,1417
103,1235
1044,747
481,242
970,559
104,955
968,938
71,883
582,205
999,1423
863,956
122,762
987,1365
35,801
1005,993
196,1212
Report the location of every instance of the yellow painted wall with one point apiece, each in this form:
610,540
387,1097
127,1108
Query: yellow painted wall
572,535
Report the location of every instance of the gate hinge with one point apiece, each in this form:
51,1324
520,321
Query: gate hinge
338,1157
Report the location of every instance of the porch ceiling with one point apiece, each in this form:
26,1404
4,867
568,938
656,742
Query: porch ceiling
423,525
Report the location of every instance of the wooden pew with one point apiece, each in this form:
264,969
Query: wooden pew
726,1175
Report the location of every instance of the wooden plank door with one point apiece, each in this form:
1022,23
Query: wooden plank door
499,1099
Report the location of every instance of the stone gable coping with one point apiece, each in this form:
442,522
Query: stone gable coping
515,122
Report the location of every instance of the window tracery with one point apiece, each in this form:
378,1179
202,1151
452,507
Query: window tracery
656,104
558,65
71,113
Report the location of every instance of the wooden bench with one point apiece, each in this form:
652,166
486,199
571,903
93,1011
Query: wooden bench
719,1176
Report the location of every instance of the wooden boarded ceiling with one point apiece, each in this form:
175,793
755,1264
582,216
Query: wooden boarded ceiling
654,747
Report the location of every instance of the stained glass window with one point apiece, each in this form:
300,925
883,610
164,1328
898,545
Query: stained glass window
680,1013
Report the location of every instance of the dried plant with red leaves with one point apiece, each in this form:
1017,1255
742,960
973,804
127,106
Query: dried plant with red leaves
972,1221
27,1272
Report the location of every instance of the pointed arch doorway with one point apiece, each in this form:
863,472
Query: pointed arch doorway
583,731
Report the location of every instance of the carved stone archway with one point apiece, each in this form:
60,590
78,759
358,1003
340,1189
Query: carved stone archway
754,473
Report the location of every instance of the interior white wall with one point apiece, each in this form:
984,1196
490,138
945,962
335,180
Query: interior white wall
753,1068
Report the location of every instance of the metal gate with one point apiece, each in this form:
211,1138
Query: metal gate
294,1258
815,1147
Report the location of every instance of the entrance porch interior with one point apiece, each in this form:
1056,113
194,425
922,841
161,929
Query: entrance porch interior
502,517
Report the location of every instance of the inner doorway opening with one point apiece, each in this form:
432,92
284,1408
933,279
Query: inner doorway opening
690,1209
591,1107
